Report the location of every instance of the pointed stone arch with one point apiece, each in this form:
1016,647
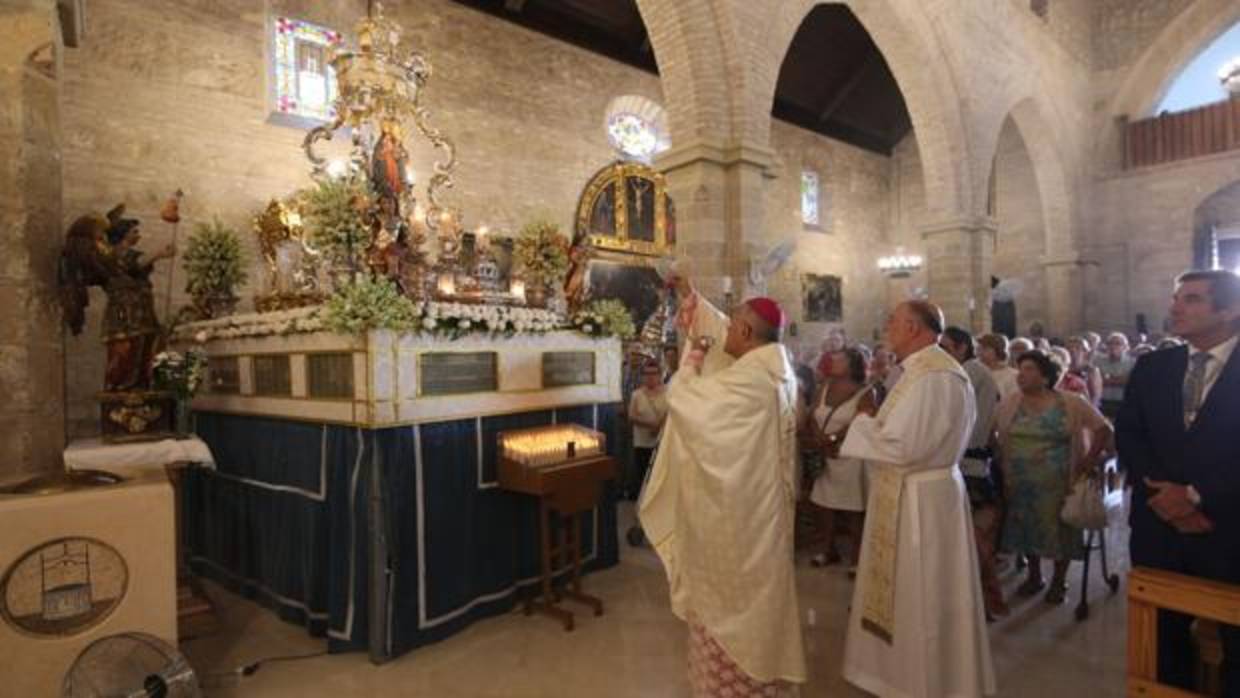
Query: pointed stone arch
907,43
1048,168
1149,78
1034,242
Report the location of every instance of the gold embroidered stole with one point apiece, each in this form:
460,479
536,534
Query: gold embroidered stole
878,578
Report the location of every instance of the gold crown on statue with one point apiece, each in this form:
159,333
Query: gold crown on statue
381,78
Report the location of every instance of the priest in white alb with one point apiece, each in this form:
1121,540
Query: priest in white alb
917,627
719,503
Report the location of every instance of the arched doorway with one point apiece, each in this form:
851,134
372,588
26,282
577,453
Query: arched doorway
1216,230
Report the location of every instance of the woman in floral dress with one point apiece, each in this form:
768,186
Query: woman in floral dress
1047,438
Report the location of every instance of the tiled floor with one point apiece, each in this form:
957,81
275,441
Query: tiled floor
638,648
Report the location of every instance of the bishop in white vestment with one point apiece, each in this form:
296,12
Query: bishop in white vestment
720,500
917,627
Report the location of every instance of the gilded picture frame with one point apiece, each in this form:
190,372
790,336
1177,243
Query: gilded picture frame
625,208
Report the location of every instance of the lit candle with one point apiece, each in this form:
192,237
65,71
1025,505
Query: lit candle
518,289
447,284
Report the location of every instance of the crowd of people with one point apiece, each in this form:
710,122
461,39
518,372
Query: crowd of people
1037,403
928,461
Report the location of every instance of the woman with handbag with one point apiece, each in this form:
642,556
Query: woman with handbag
839,491
1047,439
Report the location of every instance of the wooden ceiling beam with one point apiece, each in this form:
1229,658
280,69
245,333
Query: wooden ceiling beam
865,138
868,61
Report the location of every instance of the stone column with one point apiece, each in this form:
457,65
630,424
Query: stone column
959,260
1065,293
32,342
720,207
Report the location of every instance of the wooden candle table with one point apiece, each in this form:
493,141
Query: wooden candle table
564,466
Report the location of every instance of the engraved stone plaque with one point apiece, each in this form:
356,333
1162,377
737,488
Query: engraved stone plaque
63,587
329,375
561,368
224,374
272,375
451,373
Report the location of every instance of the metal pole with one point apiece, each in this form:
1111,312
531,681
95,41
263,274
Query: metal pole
380,580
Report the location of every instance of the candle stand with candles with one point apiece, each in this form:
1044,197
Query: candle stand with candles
564,466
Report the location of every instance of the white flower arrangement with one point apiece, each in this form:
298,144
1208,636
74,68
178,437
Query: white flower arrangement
293,321
457,319
180,373
605,317
446,319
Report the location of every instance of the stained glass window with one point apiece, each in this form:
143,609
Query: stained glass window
633,136
809,197
305,83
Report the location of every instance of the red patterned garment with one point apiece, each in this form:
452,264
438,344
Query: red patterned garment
712,674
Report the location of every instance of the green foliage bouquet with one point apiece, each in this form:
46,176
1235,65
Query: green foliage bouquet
334,210
369,303
605,317
542,252
214,262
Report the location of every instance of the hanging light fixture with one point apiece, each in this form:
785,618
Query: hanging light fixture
899,265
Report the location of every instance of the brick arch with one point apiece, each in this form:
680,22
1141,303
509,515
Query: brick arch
1054,191
920,70
693,53
1148,80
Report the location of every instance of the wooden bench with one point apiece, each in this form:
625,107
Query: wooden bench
1150,590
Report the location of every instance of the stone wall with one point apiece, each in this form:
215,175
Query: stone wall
854,214
1021,235
1069,22
31,345
525,111
168,93
1222,210
1140,223
1124,28
1143,236
906,210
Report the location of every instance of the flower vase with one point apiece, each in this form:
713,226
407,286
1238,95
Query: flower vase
184,422
221,304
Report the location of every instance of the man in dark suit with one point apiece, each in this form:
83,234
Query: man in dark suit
1178,433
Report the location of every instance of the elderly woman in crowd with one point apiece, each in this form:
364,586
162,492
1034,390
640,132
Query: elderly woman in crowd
1068,381
884,371
1047,438
1115,366
835,341
1081,365
993,352
1017,348
839,490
